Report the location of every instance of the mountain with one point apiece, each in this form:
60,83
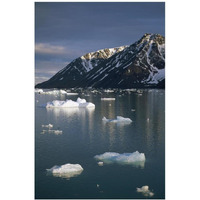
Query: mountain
139,65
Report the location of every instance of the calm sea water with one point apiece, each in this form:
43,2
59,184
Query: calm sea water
85,135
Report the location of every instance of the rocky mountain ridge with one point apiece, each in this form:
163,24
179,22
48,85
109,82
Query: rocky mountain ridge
139,65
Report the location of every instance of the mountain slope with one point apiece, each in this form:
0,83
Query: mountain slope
78,68
141,64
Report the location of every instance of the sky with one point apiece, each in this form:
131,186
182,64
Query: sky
65,31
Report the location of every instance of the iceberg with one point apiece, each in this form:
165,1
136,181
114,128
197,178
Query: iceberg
145,191
63,104
66,170
118,119
79,103
135,158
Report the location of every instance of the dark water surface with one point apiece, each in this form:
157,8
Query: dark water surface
85,135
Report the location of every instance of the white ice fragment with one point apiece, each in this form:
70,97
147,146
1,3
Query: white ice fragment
66,170
54,92
100,163
80,103
135,158
107,99
72,93
79,100
63,104
39,91
48,126
63,92
56,132
118,119
108,91
145,191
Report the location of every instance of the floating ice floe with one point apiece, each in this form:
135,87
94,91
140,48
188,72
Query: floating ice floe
48,126
79,103
54,92
72,93
145,191
56,132
107,99
39,91
118,119
100,163
135,158
66,170
108,91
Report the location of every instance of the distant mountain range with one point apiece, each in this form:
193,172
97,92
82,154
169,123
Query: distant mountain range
140,65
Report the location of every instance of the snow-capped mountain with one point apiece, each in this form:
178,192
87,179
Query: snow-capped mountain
141,64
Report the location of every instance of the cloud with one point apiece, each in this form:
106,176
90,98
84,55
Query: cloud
46,69
45,48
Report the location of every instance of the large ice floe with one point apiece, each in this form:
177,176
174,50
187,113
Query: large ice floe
79,103
145,191
118,119
66,170
135,158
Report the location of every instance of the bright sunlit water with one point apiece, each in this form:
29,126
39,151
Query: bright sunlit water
85,135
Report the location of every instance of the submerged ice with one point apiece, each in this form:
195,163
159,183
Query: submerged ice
79,103
118,119
66,170
135,158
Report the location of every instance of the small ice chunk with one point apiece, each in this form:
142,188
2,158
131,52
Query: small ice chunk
118,119
145,191
39,91
56,132
107,99
134,158
100,163
63,92
66,170
48,126
79,100
72,94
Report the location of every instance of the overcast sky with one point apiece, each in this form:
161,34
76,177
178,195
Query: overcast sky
65,31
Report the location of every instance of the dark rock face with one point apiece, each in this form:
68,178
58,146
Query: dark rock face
139,65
